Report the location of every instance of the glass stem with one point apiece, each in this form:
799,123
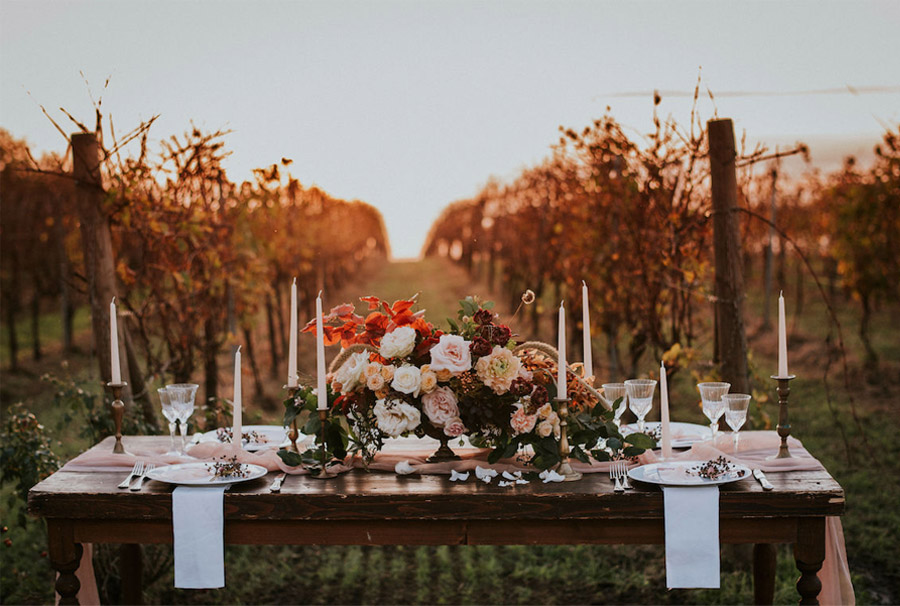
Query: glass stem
183,428
172,435
641,425
737,437
713,426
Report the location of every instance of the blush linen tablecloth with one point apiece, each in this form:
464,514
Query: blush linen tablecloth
755,448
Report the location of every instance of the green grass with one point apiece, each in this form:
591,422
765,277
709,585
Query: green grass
545,574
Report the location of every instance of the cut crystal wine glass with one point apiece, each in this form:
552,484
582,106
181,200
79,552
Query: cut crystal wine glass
612,392
171,416
711,394
182,397
736,406
640,398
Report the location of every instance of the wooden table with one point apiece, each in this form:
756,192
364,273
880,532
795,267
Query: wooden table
377,508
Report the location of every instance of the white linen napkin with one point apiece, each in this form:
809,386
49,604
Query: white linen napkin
692,536
198,525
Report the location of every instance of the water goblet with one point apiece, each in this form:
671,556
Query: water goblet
171,416
736,405
182,397
640,398
612,392
711,393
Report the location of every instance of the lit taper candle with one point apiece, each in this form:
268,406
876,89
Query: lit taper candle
292,352
320,357
586,320
114,342
237,431
665,427
561,346
782,338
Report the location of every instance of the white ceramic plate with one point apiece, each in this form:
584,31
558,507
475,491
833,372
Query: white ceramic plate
684,435
677,473
201,474
425,443
270,436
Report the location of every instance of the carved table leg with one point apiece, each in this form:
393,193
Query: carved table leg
809,552
764,573
131,568
65,556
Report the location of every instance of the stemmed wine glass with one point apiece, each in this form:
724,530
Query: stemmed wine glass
640,398
171,416
182,397
612,392
736,405
711,393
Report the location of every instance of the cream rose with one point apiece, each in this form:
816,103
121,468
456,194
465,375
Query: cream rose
375,382
498,369
350,374
387,372
407,379
373,368
545,411
398,343
429,380
454,428
396,417
544,428
521,421
451,353
440,406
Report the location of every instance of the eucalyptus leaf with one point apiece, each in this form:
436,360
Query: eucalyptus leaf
600,455
289,458
641,440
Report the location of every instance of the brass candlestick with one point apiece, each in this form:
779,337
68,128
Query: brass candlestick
784,426
323,473
294,433
565,468
118,411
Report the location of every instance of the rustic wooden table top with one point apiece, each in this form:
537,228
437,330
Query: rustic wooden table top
361,495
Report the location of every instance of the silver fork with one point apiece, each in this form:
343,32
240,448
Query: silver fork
136,485
624,471
137,470
614,475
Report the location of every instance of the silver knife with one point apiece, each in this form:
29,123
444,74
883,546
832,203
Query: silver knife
276,485
759,475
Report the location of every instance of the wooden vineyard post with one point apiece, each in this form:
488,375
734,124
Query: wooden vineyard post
729,286
97,245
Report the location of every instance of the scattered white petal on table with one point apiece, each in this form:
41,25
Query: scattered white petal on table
512,476
521,481
485,474
403,468
548,475
455,476
504,483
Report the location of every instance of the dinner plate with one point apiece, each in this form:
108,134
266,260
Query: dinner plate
679,473
684,435
202,474
425,443
266,436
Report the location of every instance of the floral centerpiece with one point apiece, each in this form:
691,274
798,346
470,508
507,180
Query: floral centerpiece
398,375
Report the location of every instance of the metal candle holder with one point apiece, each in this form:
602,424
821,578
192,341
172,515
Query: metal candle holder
784,426
565,468
118,412
323,473
294,432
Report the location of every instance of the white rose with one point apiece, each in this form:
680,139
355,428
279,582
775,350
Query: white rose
398,343
350,374
451,353
544,429
407,379
395,417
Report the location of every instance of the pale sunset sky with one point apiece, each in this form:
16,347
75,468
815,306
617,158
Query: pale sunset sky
410,105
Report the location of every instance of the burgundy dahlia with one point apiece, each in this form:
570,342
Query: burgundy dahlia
501,335
539,396
480,347
520,387
483,316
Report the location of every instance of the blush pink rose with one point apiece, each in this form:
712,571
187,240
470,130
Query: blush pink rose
521,422
454,428
451,353
440,406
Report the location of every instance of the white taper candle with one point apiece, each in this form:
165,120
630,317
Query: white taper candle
114,342
292,352
561,346
237,430
586,320
322,392
782,338
665,427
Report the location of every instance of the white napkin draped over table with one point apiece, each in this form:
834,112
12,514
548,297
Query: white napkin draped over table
198,526
692,536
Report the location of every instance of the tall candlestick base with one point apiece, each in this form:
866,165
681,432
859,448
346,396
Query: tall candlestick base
565,468
294,432
118,412
784,426
322,473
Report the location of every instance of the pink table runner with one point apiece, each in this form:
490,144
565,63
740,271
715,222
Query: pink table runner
755,447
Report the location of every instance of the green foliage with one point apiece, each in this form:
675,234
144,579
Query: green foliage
26,456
